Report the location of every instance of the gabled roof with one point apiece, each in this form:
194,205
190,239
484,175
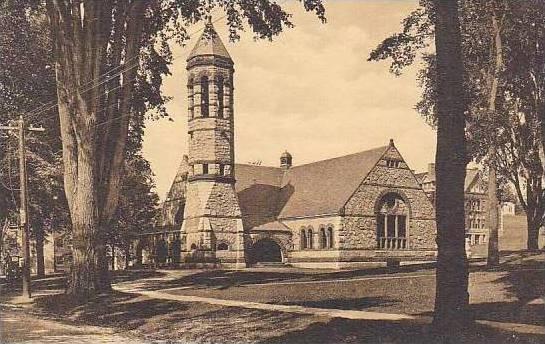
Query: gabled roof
472,175
317,188
209,44
324,187
176,190
421,176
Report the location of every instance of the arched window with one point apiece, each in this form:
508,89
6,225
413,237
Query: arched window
392,222
193,246
204,96
310,239
323,239
303,239
330,237
219,87
222,247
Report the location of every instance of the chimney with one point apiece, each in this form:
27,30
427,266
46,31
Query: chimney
285,160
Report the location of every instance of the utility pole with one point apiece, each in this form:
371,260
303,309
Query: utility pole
23,208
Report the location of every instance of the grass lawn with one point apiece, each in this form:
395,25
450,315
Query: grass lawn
500,295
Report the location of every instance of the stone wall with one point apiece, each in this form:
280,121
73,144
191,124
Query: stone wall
296,225
359,222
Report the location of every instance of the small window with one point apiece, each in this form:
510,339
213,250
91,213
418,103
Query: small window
393,163
190,92
204,168
330,238
323,238
220,96
221,171
204,96
303,239
222,247
193,246
310,239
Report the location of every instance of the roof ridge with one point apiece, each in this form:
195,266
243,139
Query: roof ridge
341,157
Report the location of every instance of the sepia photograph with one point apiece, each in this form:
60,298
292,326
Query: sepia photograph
272,171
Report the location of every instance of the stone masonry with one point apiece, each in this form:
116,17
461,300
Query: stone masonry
212,214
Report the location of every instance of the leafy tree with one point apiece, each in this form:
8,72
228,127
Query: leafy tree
110,57
444,105
28,81
138,204
502,54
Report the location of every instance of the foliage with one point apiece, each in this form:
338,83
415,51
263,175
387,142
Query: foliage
28,81
110,60
138,203
513,127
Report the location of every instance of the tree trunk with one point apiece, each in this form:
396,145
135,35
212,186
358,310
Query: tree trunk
493,258
533,221
452,298
86,241
40,263
533,234
93,155
127,255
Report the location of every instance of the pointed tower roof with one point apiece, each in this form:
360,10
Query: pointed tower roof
209,44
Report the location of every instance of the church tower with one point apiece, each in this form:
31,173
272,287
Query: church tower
212,226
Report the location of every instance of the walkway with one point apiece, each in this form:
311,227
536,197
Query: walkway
22,327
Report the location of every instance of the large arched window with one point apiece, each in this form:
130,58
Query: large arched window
392,222
323,238
204,96
219,87
303,239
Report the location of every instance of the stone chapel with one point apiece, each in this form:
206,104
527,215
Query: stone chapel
359,208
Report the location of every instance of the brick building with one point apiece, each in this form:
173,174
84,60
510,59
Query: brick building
362,207
476,202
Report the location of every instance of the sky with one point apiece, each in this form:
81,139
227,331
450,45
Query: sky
311,92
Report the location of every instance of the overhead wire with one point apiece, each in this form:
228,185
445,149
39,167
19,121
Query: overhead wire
41,109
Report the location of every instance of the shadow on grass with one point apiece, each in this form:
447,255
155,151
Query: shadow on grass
133,275
224,279
525,286
355,331
119,310
346,304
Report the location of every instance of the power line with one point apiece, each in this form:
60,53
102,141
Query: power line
35,112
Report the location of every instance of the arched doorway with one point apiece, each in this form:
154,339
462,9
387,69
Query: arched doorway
266,251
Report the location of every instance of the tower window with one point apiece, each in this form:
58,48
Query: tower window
190,96
220,96
221,169
204,96
204,168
